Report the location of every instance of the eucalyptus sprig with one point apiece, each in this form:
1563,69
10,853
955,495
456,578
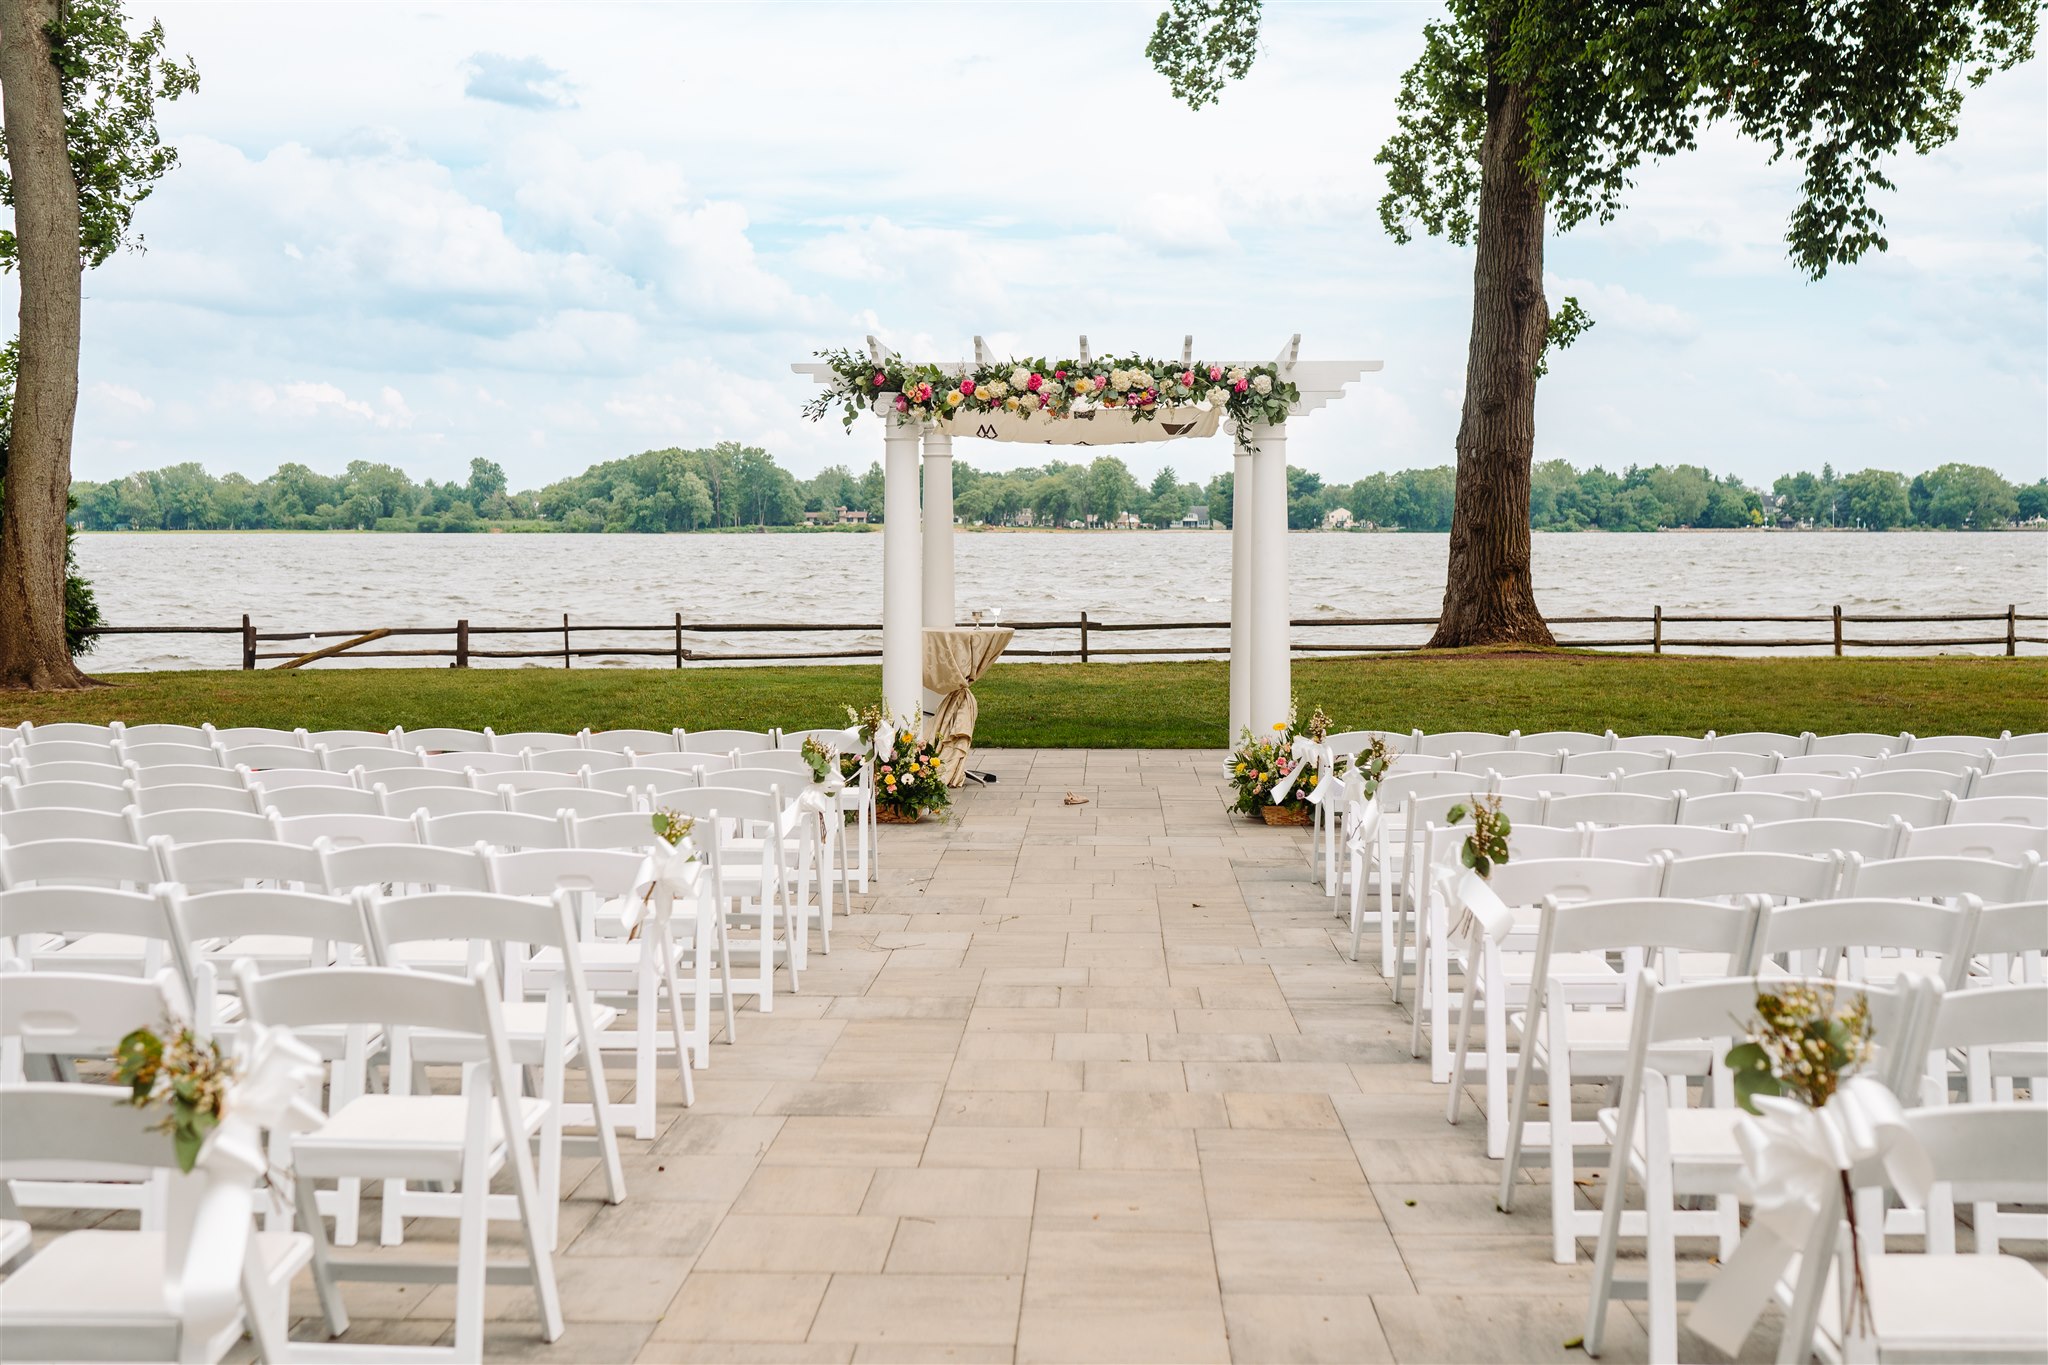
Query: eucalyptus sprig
1798,1045
188,1076
672,827
1487,844
1373,761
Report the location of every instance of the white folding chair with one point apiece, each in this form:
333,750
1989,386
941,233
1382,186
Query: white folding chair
343,831
1971,810
461,1141
1640,843
598,883
1568,1045
1554,784
1609,762
810,837
1885,807
52,1020
291,779
1679,782
1611,808
1732,762
436,801
187,775
1858,745
74,730
1776,876
1573,742
633,780
1993,842
1744,807
1824,835
537,741
1828,764
1987,1038
575,761
77,862
2012,782
261,757
417,779
441,739
569,800
292,802
352,739
753,876
184,1294
544,1036
1430,839
467,761
349,758
525,782
498,828
61,822
1761,742
724,741
1986,1307
1387,862
162,733
71,795
1496,967
66,751
151,800
108,774
2021,763
1814,786
236,736
1917,782
1868,939
627,829
1676,745
110,932
234,864
1940,878
1952,761
633,741
1672,1151
1512,762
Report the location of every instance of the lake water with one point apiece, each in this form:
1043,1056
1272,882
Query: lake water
341,581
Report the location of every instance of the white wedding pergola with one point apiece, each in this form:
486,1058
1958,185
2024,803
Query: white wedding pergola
917,570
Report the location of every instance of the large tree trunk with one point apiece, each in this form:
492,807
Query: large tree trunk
1489,598
33,651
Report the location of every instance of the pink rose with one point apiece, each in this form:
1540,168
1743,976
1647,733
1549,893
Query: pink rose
902,403
1215,372
967,387
880,379
1240,386
1187,379
1033,383
924,393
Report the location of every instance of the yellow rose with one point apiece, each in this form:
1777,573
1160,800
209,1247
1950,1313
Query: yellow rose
953,399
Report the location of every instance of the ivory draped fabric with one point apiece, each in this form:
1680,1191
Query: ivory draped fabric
953,661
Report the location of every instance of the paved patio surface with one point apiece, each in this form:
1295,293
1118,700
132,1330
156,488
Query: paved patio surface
1078,1083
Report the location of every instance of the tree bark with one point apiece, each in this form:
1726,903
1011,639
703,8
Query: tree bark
1489,596
33,650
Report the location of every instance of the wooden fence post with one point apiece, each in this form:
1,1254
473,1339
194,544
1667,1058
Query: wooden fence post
565,639
1084,637
462,643
1838,630
679,639
1656,630
248,643
2012,630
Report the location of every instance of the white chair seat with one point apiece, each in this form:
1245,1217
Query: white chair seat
113,954
15,1238
401,1135
606,957
118,1277
1700,1138
1984,1302
526,1029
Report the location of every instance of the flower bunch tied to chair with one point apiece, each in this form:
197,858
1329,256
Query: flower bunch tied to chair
1279,777
907,780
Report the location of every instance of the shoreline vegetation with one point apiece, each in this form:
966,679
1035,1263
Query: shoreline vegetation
521,528
731,487
1122,705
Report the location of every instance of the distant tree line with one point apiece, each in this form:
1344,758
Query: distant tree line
732,485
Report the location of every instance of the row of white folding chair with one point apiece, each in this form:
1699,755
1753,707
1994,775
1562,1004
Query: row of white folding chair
1759,741
1903,896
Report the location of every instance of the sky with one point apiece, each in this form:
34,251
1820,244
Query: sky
551,234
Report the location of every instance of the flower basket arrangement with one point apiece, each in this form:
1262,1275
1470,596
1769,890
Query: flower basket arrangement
1275,776
908,784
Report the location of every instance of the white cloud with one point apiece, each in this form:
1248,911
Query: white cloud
119,398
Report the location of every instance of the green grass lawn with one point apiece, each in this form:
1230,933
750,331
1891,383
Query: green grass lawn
1143,705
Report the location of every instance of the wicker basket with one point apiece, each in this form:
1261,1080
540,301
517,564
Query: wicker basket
895,817
1292,813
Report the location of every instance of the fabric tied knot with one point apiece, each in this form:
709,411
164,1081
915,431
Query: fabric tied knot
1793,1162
277,1073
1305,754
1481,912
670,869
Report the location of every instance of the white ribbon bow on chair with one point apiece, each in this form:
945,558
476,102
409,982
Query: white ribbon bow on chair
671,869
1305,754
1793,1159
1481,912
270,1093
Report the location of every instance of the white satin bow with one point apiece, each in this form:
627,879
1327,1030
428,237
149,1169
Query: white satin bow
270,1092
1481,912
1793,1159
1306,754
670,869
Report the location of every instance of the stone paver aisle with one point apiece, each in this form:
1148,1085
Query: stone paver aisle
1077,1083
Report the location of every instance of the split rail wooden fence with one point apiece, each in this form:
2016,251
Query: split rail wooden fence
682,642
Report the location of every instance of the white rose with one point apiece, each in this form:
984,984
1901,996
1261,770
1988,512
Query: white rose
1236,375
1219,397
1119,379
997,388
1262,384
1050,389
1141,380
1019,377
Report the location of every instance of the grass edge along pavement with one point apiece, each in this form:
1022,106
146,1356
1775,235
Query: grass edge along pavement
1122,705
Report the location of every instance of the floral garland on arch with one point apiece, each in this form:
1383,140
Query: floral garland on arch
1141,388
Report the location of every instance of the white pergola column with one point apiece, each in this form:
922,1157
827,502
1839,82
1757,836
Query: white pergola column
1271,673
902,616
940,610
1241,504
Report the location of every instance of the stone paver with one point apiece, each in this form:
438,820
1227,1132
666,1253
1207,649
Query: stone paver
1077,1082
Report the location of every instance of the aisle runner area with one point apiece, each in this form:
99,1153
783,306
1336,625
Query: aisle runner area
1081,1082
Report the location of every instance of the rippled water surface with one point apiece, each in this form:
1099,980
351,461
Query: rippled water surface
344,581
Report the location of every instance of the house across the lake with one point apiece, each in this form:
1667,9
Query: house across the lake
1196,518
